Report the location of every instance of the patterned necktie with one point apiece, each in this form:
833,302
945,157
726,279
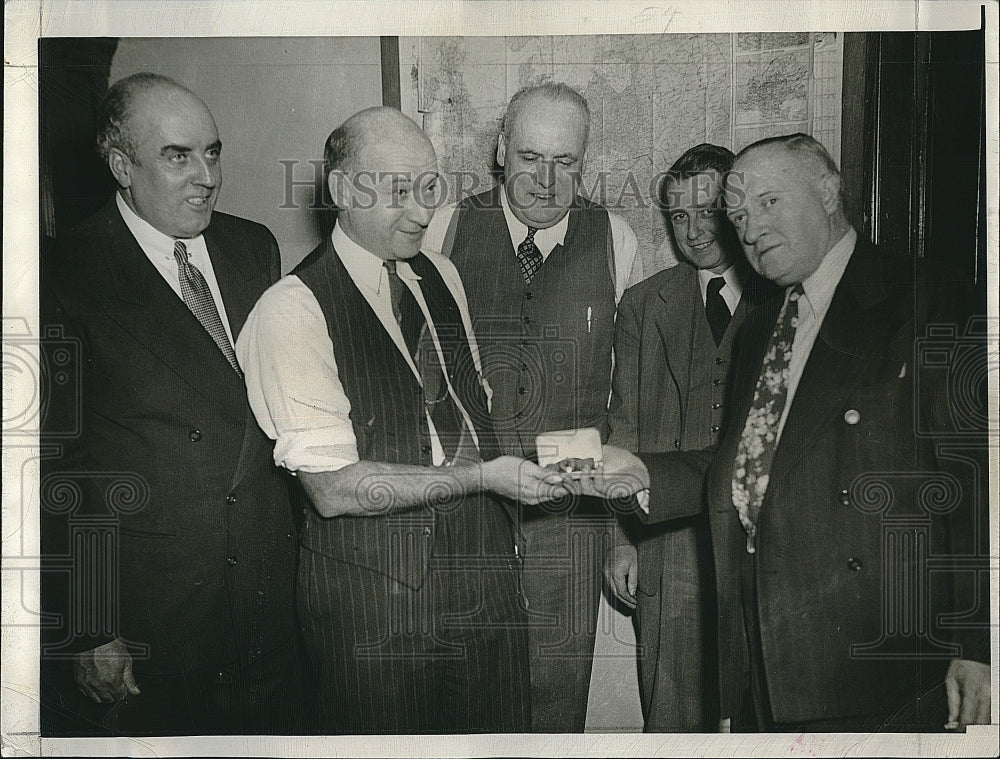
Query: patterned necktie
198,298
530,256
752,468
716,309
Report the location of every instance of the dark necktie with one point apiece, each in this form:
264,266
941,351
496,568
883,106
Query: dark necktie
443,411
752,469
530,256
198,298
716,309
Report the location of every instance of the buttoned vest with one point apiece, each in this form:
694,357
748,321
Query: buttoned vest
545,347
387,414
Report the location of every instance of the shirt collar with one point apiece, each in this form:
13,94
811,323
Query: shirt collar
546,239
731,276
818,287
150,239
364,267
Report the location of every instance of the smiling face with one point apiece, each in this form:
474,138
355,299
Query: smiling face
783,205
389,192
173,180
696,220
542,158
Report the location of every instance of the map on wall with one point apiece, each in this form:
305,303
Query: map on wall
651,97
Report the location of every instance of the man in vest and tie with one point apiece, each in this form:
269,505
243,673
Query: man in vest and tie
173,568
363,366
850,599
544,268
673,340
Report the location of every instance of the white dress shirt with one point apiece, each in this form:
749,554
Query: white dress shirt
159,249
628,265
288,360
731,291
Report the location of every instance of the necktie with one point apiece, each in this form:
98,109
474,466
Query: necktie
443,411
752,468
716,308
530,256
198,298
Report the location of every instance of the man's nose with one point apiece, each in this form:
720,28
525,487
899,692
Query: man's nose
419,212
206,172
752,230
694,227
545,173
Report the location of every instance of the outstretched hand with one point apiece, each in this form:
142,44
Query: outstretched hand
522,480
619,475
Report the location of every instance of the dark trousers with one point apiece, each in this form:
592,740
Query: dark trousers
263,697
448,657
677,636
561,582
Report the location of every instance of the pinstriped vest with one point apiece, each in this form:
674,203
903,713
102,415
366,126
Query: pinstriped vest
387,414
546,347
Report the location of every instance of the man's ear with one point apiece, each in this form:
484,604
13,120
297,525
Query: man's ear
339,185
121,167
829,187
501,149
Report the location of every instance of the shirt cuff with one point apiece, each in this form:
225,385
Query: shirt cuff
315,451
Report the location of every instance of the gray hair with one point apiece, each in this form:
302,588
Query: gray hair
797,143
556,91
115,111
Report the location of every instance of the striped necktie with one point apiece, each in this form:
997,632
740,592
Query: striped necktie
198,298
752,469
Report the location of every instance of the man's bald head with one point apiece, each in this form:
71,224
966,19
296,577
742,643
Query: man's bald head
370,127
121,103
382,175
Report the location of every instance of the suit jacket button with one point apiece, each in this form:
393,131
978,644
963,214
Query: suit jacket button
718,360
521,391
717,382
231,561
854,565
852,416
194,436
528,295
845,498
716,406
677,444
715,428
426,449
231,499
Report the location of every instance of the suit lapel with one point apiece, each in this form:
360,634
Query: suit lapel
235,274
145,306
673,322
848,353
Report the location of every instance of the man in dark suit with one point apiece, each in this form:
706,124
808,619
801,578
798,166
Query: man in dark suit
362,365
168,532
673,339
847,510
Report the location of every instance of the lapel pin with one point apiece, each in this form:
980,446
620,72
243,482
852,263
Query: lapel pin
851,416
